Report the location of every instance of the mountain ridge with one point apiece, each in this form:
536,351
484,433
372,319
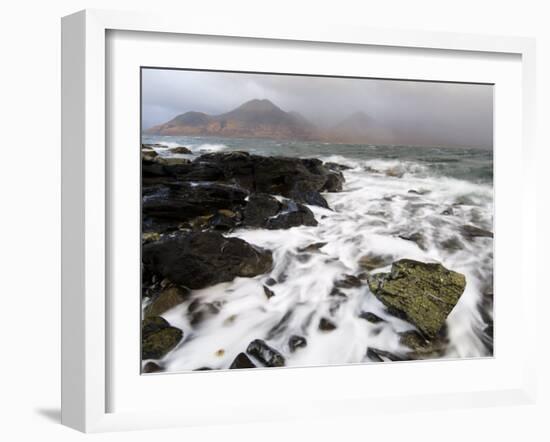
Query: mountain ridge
258,118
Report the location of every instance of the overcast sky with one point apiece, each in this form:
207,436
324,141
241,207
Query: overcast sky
426,112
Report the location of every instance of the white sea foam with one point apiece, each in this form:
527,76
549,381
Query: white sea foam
368,218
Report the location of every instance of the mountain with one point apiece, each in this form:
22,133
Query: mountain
253,119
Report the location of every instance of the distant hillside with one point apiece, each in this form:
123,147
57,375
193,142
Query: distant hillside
255,118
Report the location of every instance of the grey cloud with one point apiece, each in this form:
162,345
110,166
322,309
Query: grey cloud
415,112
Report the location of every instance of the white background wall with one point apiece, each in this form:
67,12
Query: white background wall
30,221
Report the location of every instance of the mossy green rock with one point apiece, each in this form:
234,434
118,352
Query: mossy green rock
168,298
423,293
158,337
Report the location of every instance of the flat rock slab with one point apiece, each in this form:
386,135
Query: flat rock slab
422,293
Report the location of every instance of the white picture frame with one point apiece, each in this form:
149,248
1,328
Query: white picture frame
86,215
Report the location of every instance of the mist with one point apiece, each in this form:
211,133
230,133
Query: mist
398,112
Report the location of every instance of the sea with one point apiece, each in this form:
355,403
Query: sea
392,196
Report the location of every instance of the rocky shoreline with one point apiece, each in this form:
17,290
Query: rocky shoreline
189,205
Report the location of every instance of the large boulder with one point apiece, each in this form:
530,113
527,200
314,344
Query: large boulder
185,201
422,293
201,259
296,178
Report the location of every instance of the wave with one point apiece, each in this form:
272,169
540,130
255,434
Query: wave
378,214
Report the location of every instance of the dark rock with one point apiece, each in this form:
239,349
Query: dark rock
158,338
153,324
371,317
295,342
148,154
471,232
293,215
310,197
270,282
259,208
371,262
424,293
265,354
242,361
151,367
337,167
419,191
165,300
448,211
180,149
416,237
201,259
311,248
222,223
172,161
185,201
423,348
348,282
377,355
326,325
200,311
268,292
275,175
452,244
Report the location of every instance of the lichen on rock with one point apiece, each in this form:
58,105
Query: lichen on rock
423,293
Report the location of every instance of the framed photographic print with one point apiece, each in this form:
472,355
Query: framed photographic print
252,214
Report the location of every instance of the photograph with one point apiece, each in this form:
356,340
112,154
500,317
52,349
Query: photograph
292,220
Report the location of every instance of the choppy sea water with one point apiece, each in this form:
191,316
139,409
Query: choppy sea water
390,192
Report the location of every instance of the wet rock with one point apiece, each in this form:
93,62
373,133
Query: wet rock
377,355
419,191
326,325
268,292
242,361
186,201
348,282
148,154
424,293
336,166
470,232
371,262
200,311
201,259
158,338
395,172
448,211
451,244
416,237
180,149
295,342
265,354
371,317
153,324
422,347
311,248
172,161
168,298
151,367
259,208
270,282
150,237
222,223
293,215
275,175
310,197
